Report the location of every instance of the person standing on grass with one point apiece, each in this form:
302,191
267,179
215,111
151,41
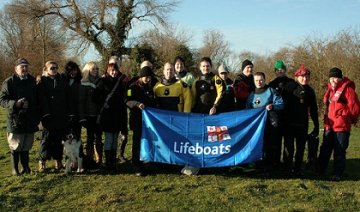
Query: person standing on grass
140,94
342,108
54,111
18,96
301,101
124,129
88,112
266,97
110,95
73,76
279,84
207,92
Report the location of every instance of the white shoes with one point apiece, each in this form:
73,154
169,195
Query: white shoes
189,170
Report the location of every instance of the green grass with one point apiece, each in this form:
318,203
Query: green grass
167,190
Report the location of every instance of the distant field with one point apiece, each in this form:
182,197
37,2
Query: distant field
166,190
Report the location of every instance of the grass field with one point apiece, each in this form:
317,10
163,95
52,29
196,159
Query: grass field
167,190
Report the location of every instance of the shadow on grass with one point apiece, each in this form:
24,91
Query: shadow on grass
351,171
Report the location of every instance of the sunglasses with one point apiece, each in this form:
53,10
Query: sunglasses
53,68
224,73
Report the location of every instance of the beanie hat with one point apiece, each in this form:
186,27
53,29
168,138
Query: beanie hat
246,63
222,68
21,61
302,71
335,72
146,72
279,64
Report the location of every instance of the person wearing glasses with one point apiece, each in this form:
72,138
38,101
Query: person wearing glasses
54,112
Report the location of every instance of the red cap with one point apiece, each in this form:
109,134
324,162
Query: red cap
302,71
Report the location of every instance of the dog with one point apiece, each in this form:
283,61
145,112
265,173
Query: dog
72,153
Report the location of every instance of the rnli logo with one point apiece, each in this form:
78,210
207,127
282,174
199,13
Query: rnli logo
218,133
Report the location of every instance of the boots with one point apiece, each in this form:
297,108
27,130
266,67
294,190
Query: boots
122,158
98,152
42,166
108,162
24,158
15,163
113,159
90,151
58,165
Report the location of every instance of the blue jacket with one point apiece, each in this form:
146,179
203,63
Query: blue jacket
263,97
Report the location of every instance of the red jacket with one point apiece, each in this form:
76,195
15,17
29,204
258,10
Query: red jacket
342,106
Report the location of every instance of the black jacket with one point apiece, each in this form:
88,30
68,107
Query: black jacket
20,120
139,93
114,114
53,100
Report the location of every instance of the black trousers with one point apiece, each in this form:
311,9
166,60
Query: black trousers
50,145
295,136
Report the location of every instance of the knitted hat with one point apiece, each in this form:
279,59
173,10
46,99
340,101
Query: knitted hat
223,68
302,71
279,64
246,63
335,72
21,61
146,72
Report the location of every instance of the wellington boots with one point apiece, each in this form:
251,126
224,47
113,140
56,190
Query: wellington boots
90,151
108,162
24,158
42,166
113,159
98,152
15,163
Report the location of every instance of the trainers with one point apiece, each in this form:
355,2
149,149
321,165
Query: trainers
42,166
122,159
189,170
248,168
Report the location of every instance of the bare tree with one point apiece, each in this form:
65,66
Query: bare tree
105,24
215,47
37,40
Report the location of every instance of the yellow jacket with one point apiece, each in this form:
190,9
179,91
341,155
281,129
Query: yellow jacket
173,95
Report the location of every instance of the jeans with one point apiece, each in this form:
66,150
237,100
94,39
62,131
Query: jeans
339,142
111,140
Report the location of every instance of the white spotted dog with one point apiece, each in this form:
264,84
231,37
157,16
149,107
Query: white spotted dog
72,153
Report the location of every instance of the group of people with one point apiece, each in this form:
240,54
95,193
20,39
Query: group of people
66,102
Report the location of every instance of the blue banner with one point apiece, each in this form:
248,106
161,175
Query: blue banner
200,140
